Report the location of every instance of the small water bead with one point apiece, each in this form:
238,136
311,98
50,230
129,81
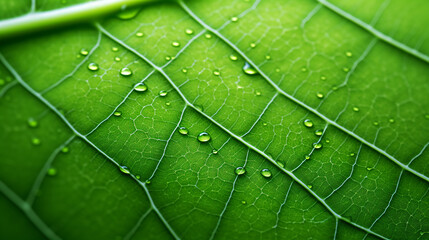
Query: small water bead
249,70
334,88
252,45
138,177
268,57
52,171
117,59
167,103
317,145
203,137
93,66
126,72
264,124
327,141
115,49
2,82
240,171
189,31
308,123
258,93
233,57
234,19
304,69
349,54
243,202
216,72
323,78
318,132
184,70
139,34
175,44
141,87
352,154
65,149
391,120
117,113
319,95
208,35
310,186
369,168
32,122
281,164
199,107
84,52
148,182
277,69
215,151
35,141
346,69
307,157
356,109
375,123
183,130
427,116
124,169
266,173
163,93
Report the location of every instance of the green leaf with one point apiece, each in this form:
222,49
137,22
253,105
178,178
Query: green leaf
323,103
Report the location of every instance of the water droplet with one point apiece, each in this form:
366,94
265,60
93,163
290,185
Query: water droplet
243,202
32,122
65,149
184,70
264,124
117,113
307,157
304,69
203,137
199,107
258,93
215,151
93,66
141,87
369,168
148,182
266,173
310,186
84,52
35,141
319,95
375,123
117,59
352,154
168,58
208,35
356,109
115,49
391,120
281,164
175,44
163,93
216,72
138,176
234,19
2,82
249,70
189,31
308,123
427,116
167,103
240,170
346,69
183,130
252,45
277,69
139,34
323,78
317,145
349,54
233,57
124,169
126,71
128,13
327,141
318,132
268,57
52,171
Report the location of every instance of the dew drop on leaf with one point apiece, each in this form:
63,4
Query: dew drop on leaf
356,109
215,151
266,173
115,49
310,186
163,93
234,19
243,202
32,122
375,123
126,71
83,52
308,123
183,131
349,54
319,95
318,132
141,87
258,93
117,113
317,145
208,35
369,168
346,69
281,164
268,57
138,176
175,44
199,107
252,45
322,78
65,149
52,172
216,72
203,137
35,141
233,57
391,120
249,70
93,66
240,171
307,157
117,59
189,31
124,169
139,34
184,70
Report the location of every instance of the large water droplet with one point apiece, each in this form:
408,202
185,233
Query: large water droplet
183,131
240,170
126,71
93,66
308,123
204,137
124,169
266,173
249,70
141,87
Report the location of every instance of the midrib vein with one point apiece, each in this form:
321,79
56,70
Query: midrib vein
240,139
374,31
297,101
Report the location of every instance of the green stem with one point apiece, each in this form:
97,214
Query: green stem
33,22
